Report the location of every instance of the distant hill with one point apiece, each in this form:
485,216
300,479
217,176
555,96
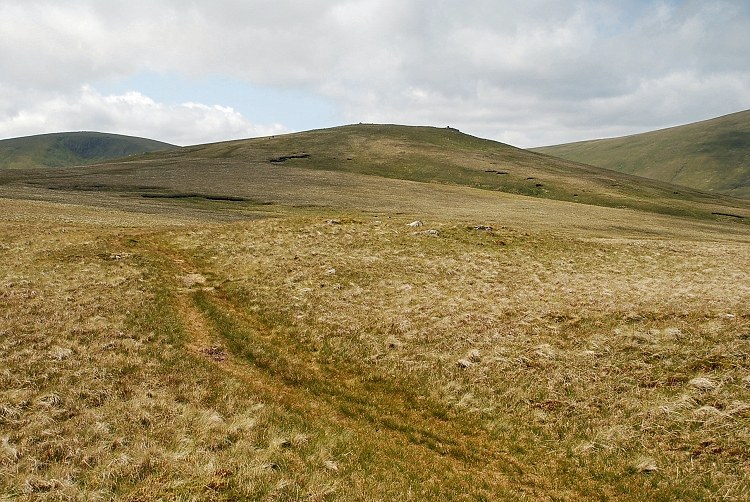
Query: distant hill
72,148
712,155
448,156
312,167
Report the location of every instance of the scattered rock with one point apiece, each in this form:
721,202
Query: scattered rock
331,465
331,271
60,353
485,228
463,363
333,222
645,464
673,332
415,224
190,280
431,232
746,381
474,356
213,418
545,351
703,383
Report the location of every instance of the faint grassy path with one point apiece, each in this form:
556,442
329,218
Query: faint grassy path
401,437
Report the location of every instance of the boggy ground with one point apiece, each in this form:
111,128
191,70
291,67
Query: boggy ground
329,354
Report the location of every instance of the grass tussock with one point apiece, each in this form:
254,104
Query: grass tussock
329,355
580,356
100,396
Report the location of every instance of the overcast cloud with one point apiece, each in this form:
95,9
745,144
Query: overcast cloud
543,72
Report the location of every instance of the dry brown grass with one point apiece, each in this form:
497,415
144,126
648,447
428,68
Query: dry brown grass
101,395
577,354
568,353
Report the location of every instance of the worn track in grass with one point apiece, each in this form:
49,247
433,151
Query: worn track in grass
398,421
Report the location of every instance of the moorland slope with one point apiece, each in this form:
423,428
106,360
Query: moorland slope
263,320
712,155
291,167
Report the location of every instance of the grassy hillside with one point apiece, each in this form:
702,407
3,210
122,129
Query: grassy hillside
248,321
713,155
273,169
72,148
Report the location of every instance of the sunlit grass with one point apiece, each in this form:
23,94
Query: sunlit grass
340,354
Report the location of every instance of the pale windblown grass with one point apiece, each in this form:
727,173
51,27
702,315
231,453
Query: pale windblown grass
296,358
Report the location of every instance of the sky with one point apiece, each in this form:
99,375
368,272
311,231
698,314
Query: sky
529,73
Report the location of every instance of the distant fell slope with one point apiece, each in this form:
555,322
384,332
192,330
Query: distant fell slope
304,168
712,155
446,155
72,148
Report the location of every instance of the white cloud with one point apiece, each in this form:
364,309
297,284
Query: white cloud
542,71
134,114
